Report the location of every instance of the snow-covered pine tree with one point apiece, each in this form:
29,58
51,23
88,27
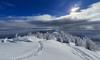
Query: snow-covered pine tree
39,35
4,40
16,35
67,38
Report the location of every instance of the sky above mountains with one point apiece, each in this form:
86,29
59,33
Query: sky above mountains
64,14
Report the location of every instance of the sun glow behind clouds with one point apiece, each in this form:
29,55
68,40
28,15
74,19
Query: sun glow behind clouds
73,10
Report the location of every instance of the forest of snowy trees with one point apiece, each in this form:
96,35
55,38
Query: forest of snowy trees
62,37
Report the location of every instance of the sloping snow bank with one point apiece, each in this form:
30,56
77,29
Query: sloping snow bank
53,50
41,49
48,46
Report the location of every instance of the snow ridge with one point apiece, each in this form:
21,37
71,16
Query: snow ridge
64,37
56,45
60,36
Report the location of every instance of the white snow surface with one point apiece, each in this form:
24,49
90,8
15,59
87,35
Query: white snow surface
41,49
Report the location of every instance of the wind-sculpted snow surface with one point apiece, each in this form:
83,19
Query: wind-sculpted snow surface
55,45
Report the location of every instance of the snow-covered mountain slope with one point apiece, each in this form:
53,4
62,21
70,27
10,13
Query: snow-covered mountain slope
32,48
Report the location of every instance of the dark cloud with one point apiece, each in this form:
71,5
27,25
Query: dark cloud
86,19
55,23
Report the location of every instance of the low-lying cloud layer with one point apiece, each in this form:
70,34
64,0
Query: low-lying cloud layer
86,19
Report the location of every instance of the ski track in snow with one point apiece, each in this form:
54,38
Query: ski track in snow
84,54
39,49
34,53
93,54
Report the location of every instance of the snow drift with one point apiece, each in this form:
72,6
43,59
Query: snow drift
54,45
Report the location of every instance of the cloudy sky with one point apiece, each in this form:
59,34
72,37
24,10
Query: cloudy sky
64,14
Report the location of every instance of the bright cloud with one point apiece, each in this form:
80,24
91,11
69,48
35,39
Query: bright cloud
85,19
44,17
74,9
92,13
